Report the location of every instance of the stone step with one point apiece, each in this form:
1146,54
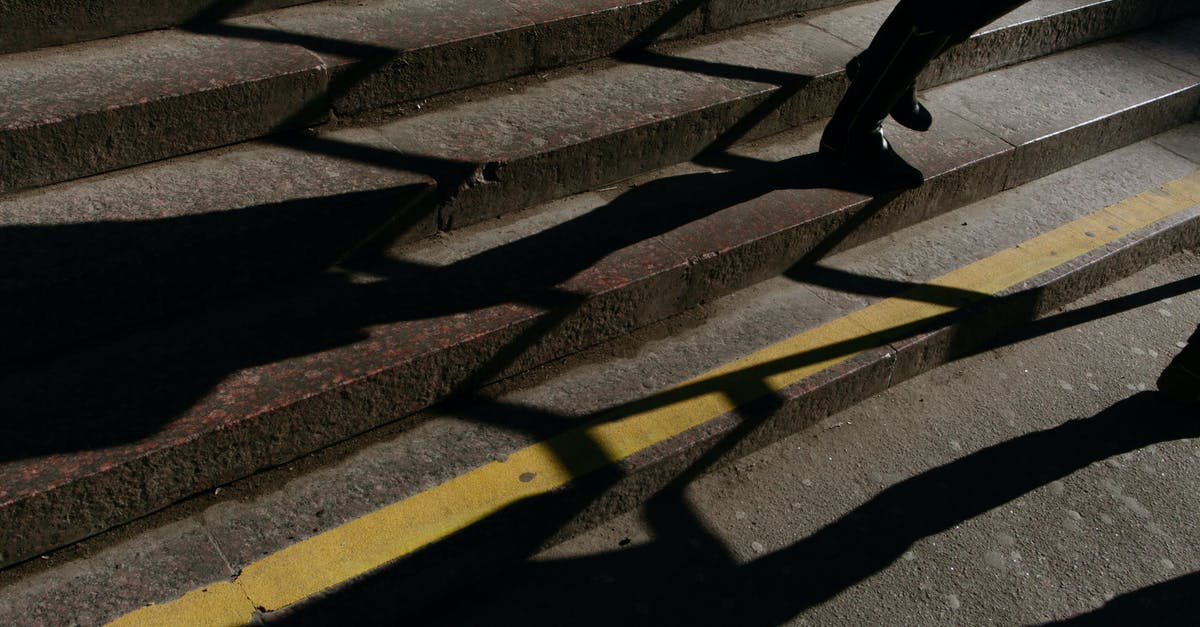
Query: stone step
30,24
88,108
116,431
93,107
315,198
381,526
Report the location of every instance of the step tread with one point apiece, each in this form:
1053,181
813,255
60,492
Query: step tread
174,92
491,156
257,384
29,24
90,108
389,468
127,100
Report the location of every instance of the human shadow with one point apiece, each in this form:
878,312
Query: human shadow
680,578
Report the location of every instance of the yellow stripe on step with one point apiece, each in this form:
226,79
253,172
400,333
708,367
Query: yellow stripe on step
350,550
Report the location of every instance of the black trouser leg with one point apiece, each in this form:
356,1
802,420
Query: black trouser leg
915,33
897,54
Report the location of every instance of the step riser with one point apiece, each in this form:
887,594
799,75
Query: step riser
124,134
1028,41
1081,143
195,262
427,575
58,149
128,134
1054,289
571,169
29,24
415,74
628,290
43,325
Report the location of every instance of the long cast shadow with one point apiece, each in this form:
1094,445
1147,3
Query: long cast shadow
677,579
681,536
123,393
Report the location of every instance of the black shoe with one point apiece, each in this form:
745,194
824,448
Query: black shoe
1181,380
871,162
908,111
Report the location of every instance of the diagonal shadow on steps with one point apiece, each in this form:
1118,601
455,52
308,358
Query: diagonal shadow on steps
680,578
530,525
54,271
57,273
128,390
119,398
120,393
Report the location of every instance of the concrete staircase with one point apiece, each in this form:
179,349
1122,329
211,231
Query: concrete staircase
241,240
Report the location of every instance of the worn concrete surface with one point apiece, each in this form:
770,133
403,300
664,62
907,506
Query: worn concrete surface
29,24
352,350
309,58
1050,99
1038,481
501,155
680,100
469,435
117,579
161,94
188,232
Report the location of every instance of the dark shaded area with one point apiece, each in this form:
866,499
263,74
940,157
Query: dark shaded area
73,283
1172,603
685,577
64,284
126,391
223,9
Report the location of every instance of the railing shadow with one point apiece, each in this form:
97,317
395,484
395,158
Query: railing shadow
122,394
782,584
121,398
685,576
54,271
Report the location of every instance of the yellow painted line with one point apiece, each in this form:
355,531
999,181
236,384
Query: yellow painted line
222,604
359,546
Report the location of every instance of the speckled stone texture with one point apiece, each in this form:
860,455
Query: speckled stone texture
127,427
29,24
161,415
1034,29
175,92
89,108
154,568
385,52
566,136
169,93
1047,103
74,258
577,132
504,536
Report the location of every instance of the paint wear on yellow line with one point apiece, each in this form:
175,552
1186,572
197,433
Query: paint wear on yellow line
357,547
222,604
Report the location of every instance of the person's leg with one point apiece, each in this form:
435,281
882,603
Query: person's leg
885,70
885,73
1181,379
908,111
